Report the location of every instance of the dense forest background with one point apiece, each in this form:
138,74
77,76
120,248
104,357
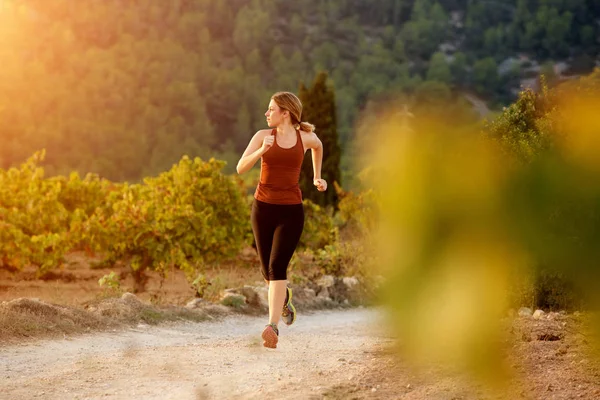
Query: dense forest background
124,88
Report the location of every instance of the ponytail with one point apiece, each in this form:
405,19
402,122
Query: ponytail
307,127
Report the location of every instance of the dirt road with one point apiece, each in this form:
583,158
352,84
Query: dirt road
211,360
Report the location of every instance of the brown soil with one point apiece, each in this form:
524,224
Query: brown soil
549,359
325,355
77,284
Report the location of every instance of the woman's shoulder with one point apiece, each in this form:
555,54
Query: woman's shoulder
263,132
307,135
309,139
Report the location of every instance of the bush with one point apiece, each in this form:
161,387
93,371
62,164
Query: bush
520,130
319,230
85,194
184,218
357,212
33,223
552,196
344,259
554,291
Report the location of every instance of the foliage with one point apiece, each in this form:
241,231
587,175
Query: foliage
34,223
85,194
125,89
522,130
111,281
557,214
200,284
319,229
358,212
468,217
319,109
555,291
184,218
550,136
345,258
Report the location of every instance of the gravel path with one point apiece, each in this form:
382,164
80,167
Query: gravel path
210,360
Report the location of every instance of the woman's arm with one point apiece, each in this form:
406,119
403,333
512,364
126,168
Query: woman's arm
260,143
313,143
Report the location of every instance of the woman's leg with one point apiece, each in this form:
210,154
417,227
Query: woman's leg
277,291
264,222
285,239
277,230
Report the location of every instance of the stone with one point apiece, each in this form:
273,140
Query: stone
350,282
131,299
263,296
255,296
323,293
525,312
326,281
195,303
233,300
552,316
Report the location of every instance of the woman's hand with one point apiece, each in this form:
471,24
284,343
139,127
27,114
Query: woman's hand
267,143
321,184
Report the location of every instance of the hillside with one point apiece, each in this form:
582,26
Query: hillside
124,89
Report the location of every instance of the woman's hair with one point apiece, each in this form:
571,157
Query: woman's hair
290,102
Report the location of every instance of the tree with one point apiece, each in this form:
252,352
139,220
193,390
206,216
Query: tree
319,109
485,75
557,30
459,69
439,70
426,29
550,77
123,88
243,128
494,41
432,92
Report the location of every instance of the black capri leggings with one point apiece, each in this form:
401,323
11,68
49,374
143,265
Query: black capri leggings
277,229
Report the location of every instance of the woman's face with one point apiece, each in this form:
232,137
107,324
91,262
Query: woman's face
275,115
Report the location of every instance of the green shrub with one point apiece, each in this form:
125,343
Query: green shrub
34,225
111,281
186,217
554,291
319,230
357,212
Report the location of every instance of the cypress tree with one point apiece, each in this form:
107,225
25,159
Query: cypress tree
318,108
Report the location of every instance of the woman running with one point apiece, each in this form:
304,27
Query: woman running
277,211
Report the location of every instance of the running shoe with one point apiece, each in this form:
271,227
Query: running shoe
270,336
289,311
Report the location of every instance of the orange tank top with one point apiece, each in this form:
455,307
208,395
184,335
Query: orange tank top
280,173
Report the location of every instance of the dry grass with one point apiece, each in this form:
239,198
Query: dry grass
23,318
70,301
28,318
